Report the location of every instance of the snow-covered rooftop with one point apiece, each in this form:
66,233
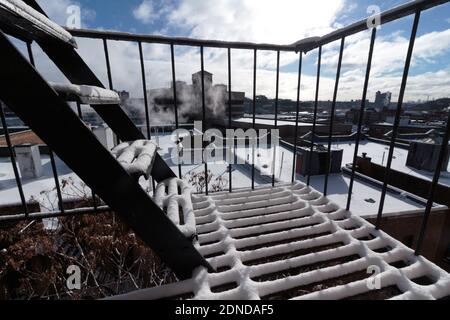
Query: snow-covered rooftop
282,242
32,187
366,193
365,199
379,153
271,122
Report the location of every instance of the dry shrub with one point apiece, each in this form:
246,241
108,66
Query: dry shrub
34,260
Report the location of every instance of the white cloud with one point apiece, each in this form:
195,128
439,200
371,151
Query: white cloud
390,51
388,63
280,22
144,12
258,21
57,11
262,21
385,76
351,7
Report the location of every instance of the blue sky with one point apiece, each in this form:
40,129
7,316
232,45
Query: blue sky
119,15
268,21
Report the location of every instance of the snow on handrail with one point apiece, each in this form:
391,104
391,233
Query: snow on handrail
86,94
12,11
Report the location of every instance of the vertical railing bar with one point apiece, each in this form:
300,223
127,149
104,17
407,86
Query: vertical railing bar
153,185
397,117
12,155
55,177
30,54
274,166
333,108
230,184
316,102
361,117
94,199
108,68
144,89
254,116
434,183
202,66
52,157
80,113
297,114
108,65
111,87
175,102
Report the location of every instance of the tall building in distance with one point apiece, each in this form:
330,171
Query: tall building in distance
189,99
197,80
124,95
383,100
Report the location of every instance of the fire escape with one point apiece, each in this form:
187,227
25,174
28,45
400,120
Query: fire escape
241,244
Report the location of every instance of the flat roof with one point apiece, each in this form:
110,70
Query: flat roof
9,193
405,125
271,122
366,195
362,204
379,153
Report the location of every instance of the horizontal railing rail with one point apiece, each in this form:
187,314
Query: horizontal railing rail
303,45
390,15
180,41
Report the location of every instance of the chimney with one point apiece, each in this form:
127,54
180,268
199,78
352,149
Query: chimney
105,135
29,159
364,163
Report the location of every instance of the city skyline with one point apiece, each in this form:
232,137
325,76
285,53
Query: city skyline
429,72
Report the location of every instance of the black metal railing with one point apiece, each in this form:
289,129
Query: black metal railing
361,116
412,8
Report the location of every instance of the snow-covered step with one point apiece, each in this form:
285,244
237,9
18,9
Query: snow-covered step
173,196
86,94
312,249
137,157
20,19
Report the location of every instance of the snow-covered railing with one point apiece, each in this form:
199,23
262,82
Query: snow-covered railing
86,94
30,22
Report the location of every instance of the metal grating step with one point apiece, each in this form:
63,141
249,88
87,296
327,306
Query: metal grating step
322,252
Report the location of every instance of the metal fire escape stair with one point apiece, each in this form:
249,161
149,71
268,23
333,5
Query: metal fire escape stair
43,107
86,94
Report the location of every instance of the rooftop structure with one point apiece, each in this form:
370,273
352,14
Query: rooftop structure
383,100
423,155
218,101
